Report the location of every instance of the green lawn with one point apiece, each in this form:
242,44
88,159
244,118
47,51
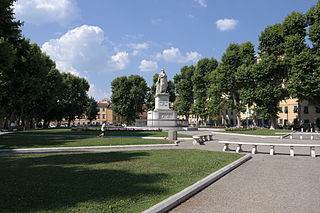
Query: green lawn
97,131
16,141
267,132
101,182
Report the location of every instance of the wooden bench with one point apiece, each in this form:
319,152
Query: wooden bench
200,139
271,145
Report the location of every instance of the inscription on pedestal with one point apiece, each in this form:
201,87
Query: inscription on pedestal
162,101
165,115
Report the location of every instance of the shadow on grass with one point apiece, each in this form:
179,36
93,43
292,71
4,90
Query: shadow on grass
15,142
138,133
60,182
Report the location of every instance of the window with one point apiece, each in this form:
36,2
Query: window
286,109
280,109
280,121
317,109
103,117
305,110
295,109
249,112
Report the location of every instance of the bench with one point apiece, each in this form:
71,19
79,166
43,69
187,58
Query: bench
200,139
80,128
271,145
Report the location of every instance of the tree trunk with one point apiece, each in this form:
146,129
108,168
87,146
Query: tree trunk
273,123
299,113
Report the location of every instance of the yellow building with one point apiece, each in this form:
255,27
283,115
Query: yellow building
290,109
105,113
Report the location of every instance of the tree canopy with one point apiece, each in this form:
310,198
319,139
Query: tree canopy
128,96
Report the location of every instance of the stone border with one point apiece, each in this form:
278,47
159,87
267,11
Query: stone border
81,148
188,192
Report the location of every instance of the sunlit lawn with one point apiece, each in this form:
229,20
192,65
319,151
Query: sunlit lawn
268,132
95,131
16,141
101,182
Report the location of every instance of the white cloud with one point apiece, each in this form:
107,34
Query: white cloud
97,93
202,3
119,61
174,55
82,50
148,66
139,46
46,11
226,24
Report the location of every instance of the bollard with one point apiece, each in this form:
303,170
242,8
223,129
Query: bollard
301,129
172,135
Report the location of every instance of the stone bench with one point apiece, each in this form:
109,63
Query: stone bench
271,145
79,128
200,139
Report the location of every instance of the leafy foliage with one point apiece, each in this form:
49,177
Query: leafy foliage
128,96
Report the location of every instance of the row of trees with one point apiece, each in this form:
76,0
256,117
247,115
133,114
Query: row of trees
286,66
31,87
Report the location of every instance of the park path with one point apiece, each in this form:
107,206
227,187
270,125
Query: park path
263,184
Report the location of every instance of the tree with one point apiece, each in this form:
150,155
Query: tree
313,22
263,86
74,99
304,78
184,90
9,28
235,58
128,96
200,84
9,37
92,109
214,94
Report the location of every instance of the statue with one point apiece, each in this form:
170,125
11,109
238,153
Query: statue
162,83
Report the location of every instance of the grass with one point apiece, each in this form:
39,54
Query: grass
66,131
101,182
16,141
267,132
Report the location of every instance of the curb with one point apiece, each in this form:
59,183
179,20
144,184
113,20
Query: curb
188,192
85,148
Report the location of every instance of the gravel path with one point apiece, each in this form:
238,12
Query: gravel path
263,184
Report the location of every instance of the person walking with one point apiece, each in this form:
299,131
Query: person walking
103,128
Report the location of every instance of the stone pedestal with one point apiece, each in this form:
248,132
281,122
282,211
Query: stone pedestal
162,115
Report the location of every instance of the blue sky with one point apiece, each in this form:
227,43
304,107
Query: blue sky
104,39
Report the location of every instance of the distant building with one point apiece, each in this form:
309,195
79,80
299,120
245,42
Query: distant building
290,109
105,113
288,116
